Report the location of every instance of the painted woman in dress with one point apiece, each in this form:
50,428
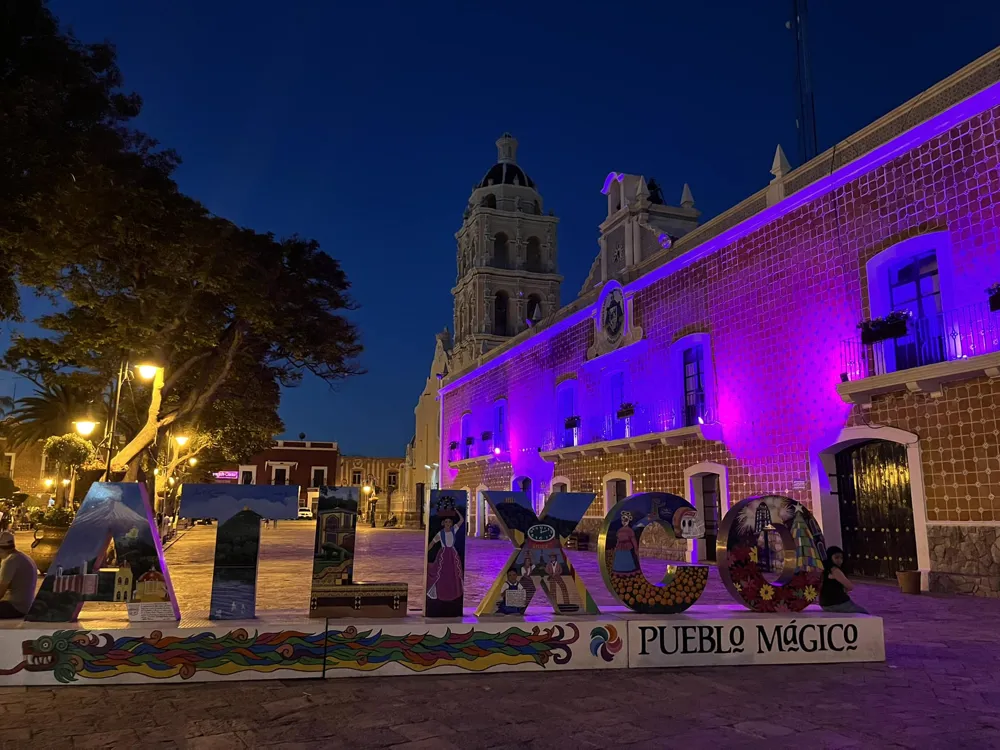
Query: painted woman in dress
444,575
626,558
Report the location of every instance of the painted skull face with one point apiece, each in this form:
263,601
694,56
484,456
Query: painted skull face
688,525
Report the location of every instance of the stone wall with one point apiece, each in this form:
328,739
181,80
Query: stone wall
965,559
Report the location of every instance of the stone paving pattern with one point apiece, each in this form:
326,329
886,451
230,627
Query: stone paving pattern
940,687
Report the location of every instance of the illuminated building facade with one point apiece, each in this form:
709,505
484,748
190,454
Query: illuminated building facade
726,360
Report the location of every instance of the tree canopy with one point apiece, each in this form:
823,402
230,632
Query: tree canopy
91,217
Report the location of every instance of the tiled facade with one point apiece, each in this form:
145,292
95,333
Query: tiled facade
777,293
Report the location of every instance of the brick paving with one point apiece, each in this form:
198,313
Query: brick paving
940,686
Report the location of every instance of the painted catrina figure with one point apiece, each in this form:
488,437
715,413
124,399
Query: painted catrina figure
626,557
444,575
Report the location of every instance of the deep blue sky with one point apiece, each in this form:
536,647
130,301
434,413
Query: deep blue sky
365,125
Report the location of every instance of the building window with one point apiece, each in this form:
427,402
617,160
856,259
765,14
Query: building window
500,251
248,475
490,201
467,438
616,392
279,475
534,309
500,425
560,487
500,314
566,411
915,286
356,477
392,479
694,386
318,476
534,256
7,465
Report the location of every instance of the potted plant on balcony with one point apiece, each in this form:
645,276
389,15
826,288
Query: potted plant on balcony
994,293
892,326
453,450
627,409
572,423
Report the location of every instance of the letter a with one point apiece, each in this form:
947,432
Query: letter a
539,560
111,512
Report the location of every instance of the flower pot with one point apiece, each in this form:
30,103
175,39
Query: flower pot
48,539
909,581
871,334
995,302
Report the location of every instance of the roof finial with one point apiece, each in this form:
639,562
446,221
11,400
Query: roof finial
507,149
687,200
780,166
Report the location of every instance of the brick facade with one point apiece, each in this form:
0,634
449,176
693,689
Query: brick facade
777,294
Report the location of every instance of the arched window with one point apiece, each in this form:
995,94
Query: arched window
490,201
500,424
500,259
692,382
500,315
523,484
538,208
534,309
534,257
567,420
467,437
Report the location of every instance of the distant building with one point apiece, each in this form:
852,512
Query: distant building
26,466
310,464
384,475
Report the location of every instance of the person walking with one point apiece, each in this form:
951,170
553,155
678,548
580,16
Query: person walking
18,577
834,596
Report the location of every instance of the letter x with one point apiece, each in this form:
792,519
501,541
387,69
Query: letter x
539,559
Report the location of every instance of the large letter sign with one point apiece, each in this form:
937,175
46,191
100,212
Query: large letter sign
444,561
618,553
239,509
117,513
538,562
335,593
771,534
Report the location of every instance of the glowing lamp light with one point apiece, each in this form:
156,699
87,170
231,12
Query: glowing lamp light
147,371
85,427
171,481
367,488
496,451
427,466
156,471
181,440
49,483
193,461
65,483
701,421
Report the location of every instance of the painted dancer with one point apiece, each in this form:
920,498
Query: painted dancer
556,582
834,595
444,575
626,559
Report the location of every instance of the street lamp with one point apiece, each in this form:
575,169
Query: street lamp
85,427
49,483
369,490
193,461
147,371
181,440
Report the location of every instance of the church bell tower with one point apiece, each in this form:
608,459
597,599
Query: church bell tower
508,276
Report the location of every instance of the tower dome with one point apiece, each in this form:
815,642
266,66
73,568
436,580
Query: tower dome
506,171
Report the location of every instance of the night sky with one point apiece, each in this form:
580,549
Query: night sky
365,125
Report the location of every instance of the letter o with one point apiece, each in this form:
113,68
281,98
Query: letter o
745,536
619,560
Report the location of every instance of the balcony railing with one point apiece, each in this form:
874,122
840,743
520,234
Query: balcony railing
948,336
660,416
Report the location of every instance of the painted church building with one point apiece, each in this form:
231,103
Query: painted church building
831,339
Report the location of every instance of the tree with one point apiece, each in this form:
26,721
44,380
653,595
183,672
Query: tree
149,272
69,452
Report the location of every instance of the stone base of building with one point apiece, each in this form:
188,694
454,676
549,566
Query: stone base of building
964,559
284,645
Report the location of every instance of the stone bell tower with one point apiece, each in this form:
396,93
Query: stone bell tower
508,275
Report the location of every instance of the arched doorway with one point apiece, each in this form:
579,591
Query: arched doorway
707,487
876,508
480,505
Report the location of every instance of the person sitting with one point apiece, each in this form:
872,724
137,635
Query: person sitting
18,579
834,595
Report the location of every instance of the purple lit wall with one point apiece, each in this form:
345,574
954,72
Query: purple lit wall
778,295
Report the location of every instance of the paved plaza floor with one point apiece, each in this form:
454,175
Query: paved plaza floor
939,688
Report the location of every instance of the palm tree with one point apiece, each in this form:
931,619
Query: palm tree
51,411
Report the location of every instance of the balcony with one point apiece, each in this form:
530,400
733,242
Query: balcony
954,345
668,422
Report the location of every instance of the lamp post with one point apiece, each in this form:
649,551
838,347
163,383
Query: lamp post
145,371
369,490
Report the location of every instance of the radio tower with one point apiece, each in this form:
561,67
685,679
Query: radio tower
806,121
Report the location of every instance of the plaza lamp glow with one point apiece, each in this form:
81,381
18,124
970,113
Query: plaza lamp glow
147,370
181,440
193,461
85,427
49,483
